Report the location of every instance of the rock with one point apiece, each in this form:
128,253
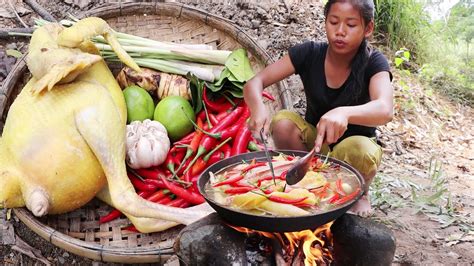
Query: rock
361,241
210,242
255,23
263,43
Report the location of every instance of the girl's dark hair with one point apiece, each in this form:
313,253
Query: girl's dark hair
361,59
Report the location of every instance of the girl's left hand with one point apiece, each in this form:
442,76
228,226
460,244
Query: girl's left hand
331,127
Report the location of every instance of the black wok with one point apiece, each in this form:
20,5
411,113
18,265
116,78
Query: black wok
269,223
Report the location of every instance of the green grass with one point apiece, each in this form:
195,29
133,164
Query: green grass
441,53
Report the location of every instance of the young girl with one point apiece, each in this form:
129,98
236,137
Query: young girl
348,93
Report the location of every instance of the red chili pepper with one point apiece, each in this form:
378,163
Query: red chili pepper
114,214
241,140
184,205
304,205
225,106
166,200
260,180
240,184
173,158
213,119
320,192
222,115
187,176
156,183
215,157
131,228
347,198
334,198
285,200
139,185
213,106
282,176
150,173
202,163
238,190
253,165
186,139
226,149
176,202
198,166
228,181
207,142
180,192
201,115
192,148
267,95
183,169
232,130
158,195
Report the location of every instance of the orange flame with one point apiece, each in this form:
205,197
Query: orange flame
315,244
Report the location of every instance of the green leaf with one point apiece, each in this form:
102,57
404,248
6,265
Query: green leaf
236,93
196,87
406,55
239,65
398,61
224,76
14,53
214,87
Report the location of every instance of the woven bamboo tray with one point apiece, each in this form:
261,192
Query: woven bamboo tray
79,231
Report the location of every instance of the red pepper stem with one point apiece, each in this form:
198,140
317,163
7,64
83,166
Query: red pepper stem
201,151
185,159
214,135
252,146
182,146
207,115
208,155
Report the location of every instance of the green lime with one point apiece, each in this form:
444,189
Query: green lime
175,113
140,105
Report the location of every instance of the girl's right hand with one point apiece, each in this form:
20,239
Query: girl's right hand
259,118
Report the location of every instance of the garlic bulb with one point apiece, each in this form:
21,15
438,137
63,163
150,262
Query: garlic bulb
147,144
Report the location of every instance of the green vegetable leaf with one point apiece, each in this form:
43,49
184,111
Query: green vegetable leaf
406,54
197,87
239,65
398,61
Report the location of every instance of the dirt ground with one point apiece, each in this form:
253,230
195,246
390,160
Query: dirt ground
423,191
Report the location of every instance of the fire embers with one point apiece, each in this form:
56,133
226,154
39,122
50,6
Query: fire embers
294,248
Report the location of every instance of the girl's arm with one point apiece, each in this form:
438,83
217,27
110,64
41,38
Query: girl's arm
253,92
378,111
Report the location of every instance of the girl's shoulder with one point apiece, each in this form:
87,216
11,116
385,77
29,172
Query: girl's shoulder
376,56
377,63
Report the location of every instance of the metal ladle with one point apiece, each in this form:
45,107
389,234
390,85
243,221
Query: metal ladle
299,168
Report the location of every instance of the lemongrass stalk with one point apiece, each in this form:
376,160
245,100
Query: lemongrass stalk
175,67
202,56
178,68
137,40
